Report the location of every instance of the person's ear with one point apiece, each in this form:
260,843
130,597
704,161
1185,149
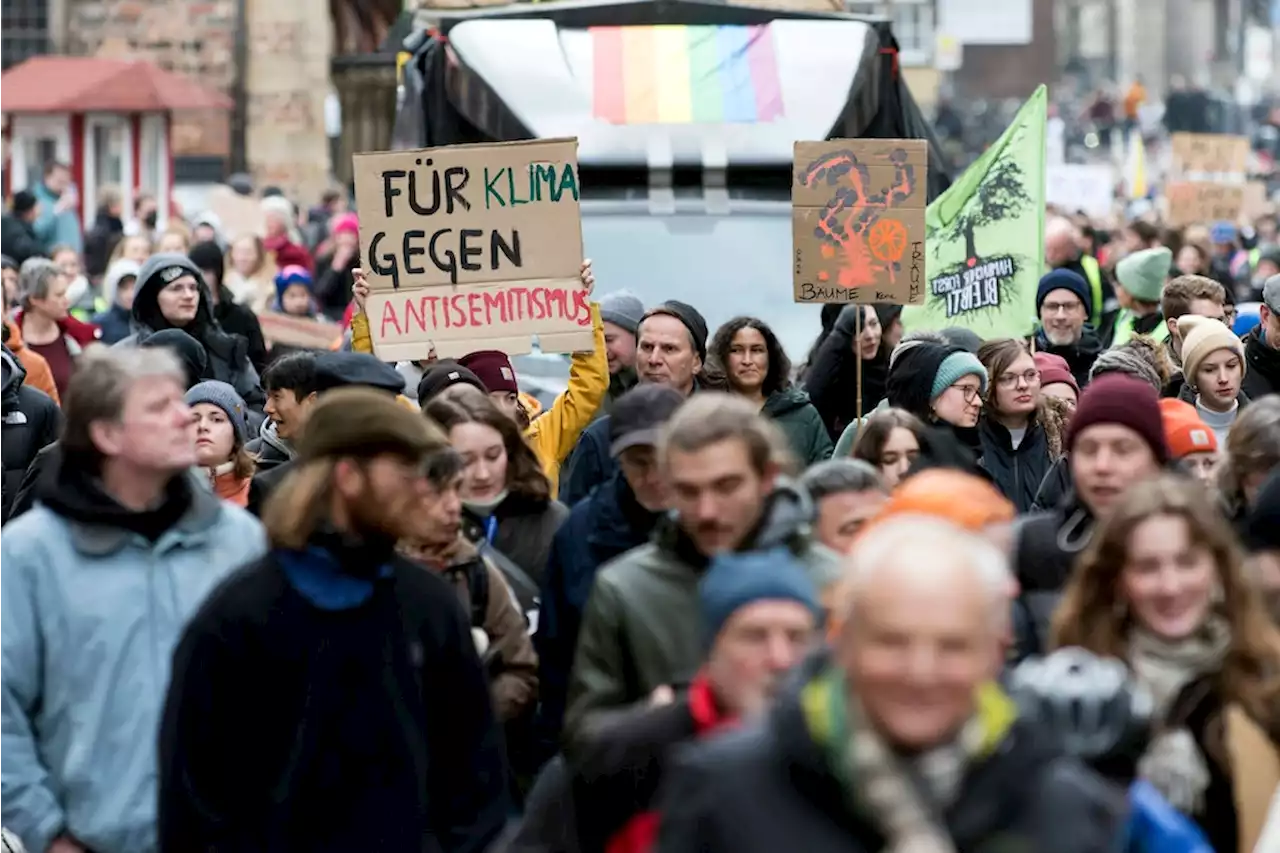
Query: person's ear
697,364
106,436
348,479
1172,324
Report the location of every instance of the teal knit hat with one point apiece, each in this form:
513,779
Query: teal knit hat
1142,274
955,366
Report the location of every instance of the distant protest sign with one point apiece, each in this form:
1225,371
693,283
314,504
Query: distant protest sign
1078,186
472,247
1209,156
1192,202
303,332
857,214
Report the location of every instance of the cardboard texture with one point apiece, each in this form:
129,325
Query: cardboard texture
1209,154
280,328
473,247
1192,202
238,214
858,221
1256,201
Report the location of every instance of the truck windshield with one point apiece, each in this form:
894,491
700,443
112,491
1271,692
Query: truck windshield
723,265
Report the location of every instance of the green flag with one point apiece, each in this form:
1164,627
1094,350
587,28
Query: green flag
984,237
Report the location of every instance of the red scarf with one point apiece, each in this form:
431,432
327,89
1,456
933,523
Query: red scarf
640,835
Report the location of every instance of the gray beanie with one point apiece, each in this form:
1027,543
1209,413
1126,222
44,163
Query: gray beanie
622,308
223,396
1128,362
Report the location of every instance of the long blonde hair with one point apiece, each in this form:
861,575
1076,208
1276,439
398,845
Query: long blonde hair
1090,614
298,505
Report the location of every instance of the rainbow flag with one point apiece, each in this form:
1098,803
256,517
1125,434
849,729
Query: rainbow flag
685,74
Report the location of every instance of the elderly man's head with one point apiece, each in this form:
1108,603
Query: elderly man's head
925,613
1061,241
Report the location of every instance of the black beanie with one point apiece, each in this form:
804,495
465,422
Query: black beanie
444,374
689,316
207,256
189,351
910,382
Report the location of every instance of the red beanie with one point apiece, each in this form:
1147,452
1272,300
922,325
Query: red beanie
1053,368
493,369
1114,398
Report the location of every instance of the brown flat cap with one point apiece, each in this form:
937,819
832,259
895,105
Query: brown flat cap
364,423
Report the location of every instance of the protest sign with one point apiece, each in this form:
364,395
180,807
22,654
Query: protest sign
1074,187
1256,201
857,210
986,237
1192,202
304,332
1206,156
472,247
237,214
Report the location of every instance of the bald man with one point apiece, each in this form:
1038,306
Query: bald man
1062,251
906,706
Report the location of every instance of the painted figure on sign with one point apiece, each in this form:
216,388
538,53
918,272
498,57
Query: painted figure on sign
851,228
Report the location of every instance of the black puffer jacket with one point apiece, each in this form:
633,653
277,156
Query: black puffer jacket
228,353
1016,472
31,422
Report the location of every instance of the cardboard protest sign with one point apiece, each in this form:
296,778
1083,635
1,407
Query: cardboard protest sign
237,214
1076,186
280,328
1192,202
857,215
472,247
1256,201
1199,155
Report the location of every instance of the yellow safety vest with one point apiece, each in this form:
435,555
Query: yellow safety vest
1093,273
1124,329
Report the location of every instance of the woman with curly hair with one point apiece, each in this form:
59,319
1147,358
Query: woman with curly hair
752,364
1161,587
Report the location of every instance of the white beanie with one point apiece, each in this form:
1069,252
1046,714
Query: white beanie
1202,336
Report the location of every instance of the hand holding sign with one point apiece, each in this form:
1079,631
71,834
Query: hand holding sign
359,290
588,279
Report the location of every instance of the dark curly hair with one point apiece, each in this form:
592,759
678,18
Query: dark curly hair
778,375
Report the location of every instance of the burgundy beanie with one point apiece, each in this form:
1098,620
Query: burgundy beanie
493,368
1054,369
1115,398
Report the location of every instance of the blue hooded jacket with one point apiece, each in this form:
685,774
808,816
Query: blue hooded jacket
1157,827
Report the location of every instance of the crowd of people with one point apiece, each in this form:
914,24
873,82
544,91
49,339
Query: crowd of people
920,592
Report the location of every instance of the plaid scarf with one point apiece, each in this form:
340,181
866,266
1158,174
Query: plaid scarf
879,780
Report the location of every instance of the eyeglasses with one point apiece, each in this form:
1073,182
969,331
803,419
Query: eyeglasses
1010,380
970,392
1072,307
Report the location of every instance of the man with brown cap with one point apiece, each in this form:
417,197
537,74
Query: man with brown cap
328,696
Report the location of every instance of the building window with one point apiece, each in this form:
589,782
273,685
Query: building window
913,25
24,30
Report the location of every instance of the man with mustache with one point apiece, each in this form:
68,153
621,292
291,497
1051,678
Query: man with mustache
723,461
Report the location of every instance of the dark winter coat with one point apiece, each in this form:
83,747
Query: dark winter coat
263,484
771,787
605,525
115,324
333,287
589,465
524,530
18,239
268,448
100,241
1079,356
832,376
1017,473
1046,547
237,319
1263,376
228,353
791,410
31,422
371,726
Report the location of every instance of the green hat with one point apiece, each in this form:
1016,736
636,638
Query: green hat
1143,273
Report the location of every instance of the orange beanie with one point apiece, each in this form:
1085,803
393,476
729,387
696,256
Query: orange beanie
1184,430
963,499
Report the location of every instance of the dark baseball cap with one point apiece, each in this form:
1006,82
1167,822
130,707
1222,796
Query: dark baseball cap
638,416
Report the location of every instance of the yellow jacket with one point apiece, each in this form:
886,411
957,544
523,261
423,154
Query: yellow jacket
553,433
